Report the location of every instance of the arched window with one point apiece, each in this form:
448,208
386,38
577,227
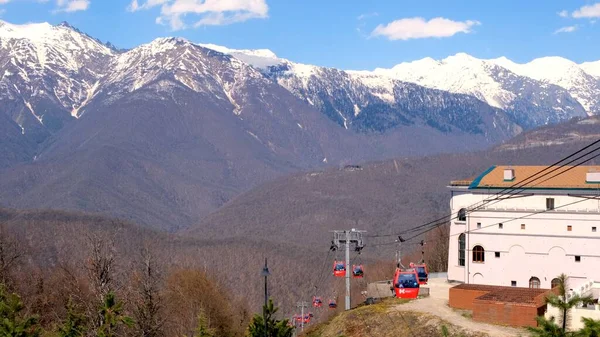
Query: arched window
554,283
461,249
462,214
534,283
478,254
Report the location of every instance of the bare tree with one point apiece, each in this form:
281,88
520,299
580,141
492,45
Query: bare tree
147,297
9,256
436,249
100,268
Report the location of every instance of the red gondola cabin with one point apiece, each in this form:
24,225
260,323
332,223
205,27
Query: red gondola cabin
339,269
406,283
317,302
422,272
357,271
332,304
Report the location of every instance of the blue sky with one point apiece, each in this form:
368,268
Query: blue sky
344,34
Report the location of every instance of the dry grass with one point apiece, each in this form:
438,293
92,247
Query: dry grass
379,320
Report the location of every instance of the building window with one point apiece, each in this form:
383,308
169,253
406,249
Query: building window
554,283
577,258
462,214
593,229
522,226
478,225
513,283
497,254
500,226
569,228
461,250
534,283
478,254
549,204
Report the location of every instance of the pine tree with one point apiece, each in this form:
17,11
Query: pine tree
12,322
74,324
113,317
563,304
274,328
591,328
546,328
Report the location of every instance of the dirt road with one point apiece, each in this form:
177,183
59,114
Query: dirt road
437,304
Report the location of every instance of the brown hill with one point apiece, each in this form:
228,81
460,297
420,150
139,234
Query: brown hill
575,130
52,239
381,197
165,154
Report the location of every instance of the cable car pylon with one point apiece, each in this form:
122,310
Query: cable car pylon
346,238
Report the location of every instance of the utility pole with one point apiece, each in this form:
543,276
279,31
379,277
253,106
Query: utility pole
347,237
302,305
265,272
293,319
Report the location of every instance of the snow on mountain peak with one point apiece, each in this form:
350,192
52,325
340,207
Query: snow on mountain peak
460,73
259,58
562,72
31,31
592,68
61,38
254,52
160,45
542,69
460,58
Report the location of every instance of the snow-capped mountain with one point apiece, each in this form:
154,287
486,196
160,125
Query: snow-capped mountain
583,86
47,74
530,102
364,106
199,69
592,68
343,95
368,103
51,74
168,131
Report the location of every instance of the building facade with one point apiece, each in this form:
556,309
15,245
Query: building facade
525,236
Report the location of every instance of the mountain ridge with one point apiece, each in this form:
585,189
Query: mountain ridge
169,131
529,101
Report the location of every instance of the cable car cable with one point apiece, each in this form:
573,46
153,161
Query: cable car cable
434,225
522,183
570,168
526,180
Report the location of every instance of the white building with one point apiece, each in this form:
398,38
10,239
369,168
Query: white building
528,238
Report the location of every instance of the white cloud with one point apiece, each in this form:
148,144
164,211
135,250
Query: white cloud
567,29
135,6
563,13
71,5
367,15
589,11
207,12
418,28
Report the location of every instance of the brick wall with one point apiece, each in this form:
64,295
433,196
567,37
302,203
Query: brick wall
513,314
499,305
464,298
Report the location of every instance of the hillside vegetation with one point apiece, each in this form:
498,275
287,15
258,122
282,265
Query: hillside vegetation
381,197
381,320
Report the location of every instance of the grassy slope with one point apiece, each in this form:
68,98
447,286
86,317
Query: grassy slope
380,320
